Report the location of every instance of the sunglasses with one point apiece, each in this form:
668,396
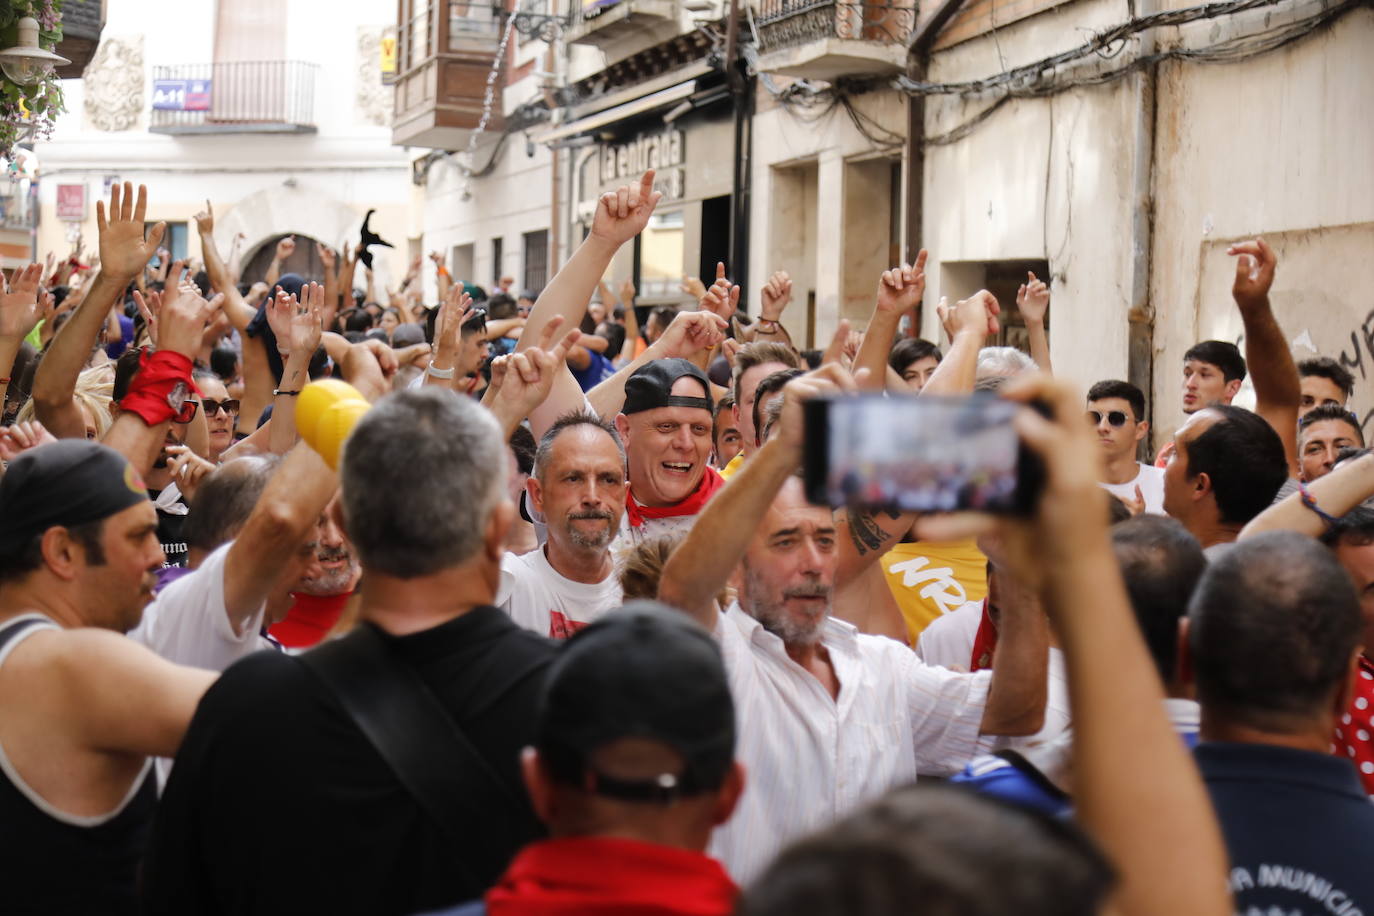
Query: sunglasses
188,412
1116,418
228,405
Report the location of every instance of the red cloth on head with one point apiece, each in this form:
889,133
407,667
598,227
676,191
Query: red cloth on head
582,876
158,375
310,618
711,481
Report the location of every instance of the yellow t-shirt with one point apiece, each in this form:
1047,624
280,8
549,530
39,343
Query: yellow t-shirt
932,578
734,465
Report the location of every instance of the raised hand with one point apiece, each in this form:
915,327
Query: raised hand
1137,505
835,352
280,309
622,214
722,298
1254,273
205,219
901,288
690,333
975,315
181,326
285,248
124,251
19,438
777,294
528,375
307,320
1033,299
328,260
453,314
829,380
19,305
628,292
692,286
150,307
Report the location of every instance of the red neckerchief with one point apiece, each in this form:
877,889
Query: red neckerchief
1354,730
711,481
575,876
158,375
310,618
984,643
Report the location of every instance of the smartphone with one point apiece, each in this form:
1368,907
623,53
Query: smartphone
918,454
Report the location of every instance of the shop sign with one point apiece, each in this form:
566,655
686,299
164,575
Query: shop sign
662,152
71,202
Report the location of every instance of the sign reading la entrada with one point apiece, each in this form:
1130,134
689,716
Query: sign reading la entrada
662,152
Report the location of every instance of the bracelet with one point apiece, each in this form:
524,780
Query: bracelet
767,321
5,380
277,392
1310,502
440,373
441,271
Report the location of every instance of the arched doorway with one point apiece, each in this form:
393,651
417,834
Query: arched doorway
305,260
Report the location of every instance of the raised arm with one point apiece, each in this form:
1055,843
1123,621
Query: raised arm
140,428
899,291
620,216
1278,390
702,565
1335,494
1137,789
774,299
1033,301
973,320
689,334
524,379
303,322
283,516
123,254
285,248
448,339
20,310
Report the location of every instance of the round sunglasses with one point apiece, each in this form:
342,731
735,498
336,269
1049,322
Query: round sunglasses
1116,418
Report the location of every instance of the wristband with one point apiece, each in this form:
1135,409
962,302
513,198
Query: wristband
1310,502
441,271
767,321
160,388
444,374
277,392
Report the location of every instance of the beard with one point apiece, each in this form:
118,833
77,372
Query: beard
592,541
794,629
322,582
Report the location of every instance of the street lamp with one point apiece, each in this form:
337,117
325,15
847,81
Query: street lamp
26,63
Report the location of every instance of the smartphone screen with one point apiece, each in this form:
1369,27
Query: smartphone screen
916,454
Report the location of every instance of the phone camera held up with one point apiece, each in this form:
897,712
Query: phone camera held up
919,454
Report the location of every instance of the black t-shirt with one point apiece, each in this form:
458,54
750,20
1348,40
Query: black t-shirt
279,804
169,533
1298,828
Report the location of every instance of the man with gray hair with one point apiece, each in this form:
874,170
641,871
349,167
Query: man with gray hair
403,796
578,488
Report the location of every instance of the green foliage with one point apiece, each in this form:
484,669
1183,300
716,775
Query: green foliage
43,100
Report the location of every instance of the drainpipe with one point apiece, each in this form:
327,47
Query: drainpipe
742,96
1140,347
917,66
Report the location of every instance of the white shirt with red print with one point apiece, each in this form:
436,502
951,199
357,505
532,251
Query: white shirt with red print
539,598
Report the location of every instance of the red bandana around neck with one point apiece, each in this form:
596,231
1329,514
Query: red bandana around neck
578,875
711,481
984,643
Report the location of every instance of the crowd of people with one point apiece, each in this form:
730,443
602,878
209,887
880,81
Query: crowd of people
545,623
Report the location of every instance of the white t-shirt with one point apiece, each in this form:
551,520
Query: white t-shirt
539,598
187,622
948,640
1151,483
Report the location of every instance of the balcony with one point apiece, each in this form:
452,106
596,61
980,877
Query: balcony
249,97
824,39
445,53
605,22
82,22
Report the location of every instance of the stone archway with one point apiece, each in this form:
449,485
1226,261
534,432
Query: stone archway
305,260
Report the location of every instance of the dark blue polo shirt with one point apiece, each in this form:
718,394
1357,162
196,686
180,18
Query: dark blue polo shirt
1298,827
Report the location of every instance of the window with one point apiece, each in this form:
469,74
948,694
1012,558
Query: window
536,260
661,254
174,239
497,257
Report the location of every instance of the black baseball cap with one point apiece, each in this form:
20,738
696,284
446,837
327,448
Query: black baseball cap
644,671
651,386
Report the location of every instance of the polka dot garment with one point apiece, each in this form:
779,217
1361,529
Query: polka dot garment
1354,729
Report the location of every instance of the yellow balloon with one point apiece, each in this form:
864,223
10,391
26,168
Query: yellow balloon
333,428
317,397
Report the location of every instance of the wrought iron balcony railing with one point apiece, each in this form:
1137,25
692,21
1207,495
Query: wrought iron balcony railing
275,96
788,23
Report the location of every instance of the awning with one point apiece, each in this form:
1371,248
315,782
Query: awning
661,99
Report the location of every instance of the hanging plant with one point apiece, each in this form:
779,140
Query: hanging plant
29,112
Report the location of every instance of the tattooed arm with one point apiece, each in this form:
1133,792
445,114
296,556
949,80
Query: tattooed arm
864,537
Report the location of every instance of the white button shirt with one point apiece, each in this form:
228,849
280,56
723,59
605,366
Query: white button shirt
810,759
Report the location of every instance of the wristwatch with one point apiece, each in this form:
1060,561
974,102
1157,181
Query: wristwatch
176,399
